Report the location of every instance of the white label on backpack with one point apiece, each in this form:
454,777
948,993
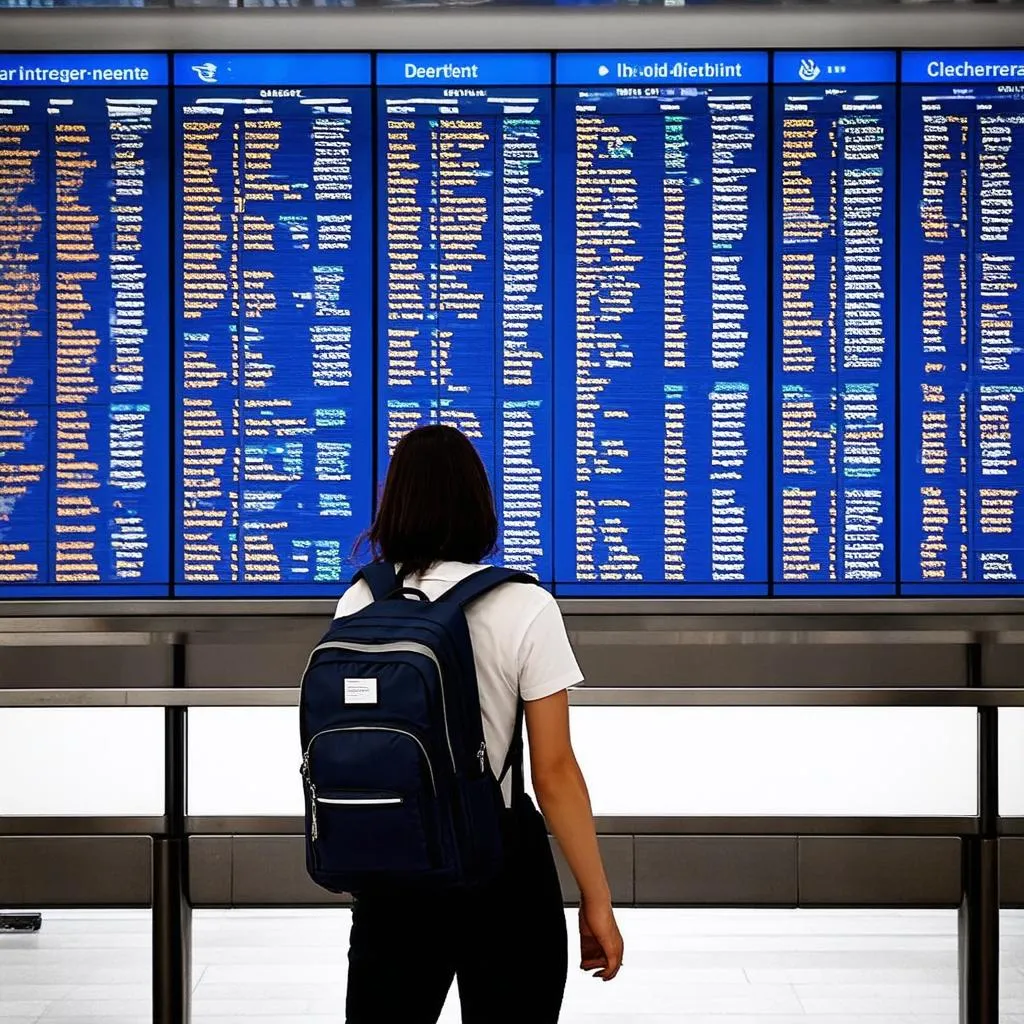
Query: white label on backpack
360,691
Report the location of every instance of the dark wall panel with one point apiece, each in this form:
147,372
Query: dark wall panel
75,871
840,871
68,668
209,871
617,852
716,871
1011,875
260,659
695,664
1004,665
270,871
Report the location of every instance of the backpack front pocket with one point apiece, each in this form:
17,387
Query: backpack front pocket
371,802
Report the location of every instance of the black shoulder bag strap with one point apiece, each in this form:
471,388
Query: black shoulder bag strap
514,758
479,583
464,592
380,577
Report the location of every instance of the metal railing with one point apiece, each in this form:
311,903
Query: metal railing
978,913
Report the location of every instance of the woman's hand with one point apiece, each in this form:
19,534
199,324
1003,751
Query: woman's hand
600,939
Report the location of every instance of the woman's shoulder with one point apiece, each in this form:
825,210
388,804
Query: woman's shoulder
354,599
522,602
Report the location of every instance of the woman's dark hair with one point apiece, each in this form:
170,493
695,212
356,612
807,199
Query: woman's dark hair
437,503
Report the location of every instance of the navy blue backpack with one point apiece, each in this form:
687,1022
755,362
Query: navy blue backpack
399,790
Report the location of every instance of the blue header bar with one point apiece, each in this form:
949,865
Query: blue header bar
963,66
89,69
272,69
463,69
807,67
670,68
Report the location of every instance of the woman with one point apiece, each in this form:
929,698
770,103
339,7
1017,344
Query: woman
506,942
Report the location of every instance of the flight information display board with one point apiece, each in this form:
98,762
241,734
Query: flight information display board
465,283
84,356
661,312
720,324
962,323
274,321
834,308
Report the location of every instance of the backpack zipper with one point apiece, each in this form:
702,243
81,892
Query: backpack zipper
370,728
314,831
365,801
409,647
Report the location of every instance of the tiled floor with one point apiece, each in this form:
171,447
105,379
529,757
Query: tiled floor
683,967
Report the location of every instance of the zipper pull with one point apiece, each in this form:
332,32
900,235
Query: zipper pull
313,830
482,757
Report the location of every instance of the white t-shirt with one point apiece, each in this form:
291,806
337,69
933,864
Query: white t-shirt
519,646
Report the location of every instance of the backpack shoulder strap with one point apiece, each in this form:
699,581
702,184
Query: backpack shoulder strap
479,583
380,577
514,757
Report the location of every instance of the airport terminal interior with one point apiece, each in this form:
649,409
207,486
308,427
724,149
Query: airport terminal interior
727,297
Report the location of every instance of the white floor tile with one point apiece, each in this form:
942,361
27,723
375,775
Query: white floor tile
683,967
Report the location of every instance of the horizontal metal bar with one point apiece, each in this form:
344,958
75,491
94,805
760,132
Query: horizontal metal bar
96,825
527,28
947,613
85,638
796,696
797,636
648,825
606,825
652,825
714,696
157,697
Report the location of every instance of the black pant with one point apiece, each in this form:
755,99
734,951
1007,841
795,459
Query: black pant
506,943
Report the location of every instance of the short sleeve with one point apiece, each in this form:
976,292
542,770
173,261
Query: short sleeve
547,664
355,599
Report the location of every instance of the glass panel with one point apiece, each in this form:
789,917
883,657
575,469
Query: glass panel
244,761
758,761
82,761
686,761
1011,761
86,965
685,967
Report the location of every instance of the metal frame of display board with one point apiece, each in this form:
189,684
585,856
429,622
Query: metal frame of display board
914,26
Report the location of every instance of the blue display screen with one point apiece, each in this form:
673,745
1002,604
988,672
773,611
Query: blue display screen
720,324
84,312
274,419
661,324
962,324
834,313
465,273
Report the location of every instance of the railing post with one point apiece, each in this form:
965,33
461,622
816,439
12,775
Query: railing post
172,912
979,902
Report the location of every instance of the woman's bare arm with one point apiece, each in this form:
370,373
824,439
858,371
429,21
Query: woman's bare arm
562,793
